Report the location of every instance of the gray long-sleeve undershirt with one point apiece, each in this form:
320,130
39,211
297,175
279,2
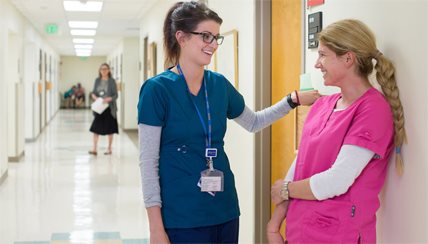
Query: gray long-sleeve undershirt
149,137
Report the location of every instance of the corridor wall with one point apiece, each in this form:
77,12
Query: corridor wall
3,99
399,27
239,144
127,54
18,39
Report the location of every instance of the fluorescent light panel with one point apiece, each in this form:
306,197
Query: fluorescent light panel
81,46
78,32
83,54
83,24
83,40
89,6
80,50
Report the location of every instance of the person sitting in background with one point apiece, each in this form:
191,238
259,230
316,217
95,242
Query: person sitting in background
80,96
69,97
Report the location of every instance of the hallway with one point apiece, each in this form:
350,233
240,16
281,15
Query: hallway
58,193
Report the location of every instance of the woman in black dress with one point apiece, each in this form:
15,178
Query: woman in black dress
106,122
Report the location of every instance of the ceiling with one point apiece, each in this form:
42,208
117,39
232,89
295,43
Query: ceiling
118,19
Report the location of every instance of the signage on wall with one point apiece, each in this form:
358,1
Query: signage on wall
315,2
51,29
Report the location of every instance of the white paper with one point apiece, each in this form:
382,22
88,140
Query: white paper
99,106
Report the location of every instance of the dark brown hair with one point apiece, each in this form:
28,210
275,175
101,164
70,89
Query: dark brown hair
183,16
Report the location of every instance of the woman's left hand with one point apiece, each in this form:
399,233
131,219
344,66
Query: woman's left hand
306,98
275,192
107,99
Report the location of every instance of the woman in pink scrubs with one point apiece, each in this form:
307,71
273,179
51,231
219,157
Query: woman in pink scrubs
330,194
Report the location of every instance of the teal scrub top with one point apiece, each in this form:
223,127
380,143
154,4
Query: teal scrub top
165,101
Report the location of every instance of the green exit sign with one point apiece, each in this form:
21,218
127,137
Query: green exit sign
51,29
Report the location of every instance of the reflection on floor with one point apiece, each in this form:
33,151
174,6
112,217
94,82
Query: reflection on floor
133,135
95,238
60,194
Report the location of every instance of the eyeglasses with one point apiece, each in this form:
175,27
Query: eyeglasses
209,38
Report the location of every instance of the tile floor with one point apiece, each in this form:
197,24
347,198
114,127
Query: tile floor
58,193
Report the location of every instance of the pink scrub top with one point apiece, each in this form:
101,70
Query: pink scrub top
350,217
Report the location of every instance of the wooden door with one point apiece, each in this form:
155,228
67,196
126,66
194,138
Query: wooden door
286,67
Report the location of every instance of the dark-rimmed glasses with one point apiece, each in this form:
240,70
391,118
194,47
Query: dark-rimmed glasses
209,38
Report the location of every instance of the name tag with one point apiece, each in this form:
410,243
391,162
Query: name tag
211,181
211,152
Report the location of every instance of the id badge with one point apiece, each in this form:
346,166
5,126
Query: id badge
212,181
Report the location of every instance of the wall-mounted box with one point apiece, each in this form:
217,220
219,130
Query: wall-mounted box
314,27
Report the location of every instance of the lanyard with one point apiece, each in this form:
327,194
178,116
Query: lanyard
209,131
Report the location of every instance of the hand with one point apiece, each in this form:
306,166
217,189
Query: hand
275,192
273,235
275,238
306,98
159,237
107,99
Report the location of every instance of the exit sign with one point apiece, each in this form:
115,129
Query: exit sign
51,29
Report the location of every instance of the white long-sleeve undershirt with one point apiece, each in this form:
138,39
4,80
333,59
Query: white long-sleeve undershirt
336,181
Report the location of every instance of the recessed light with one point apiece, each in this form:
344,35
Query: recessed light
83,50
89,6
80,46
83,32
83,40
83,24
83,54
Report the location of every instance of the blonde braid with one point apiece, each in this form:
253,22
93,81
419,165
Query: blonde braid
385,75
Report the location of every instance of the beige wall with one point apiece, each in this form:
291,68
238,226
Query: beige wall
75,69
127,56
400,28
21,118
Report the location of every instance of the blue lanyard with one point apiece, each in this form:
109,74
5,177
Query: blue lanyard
209,131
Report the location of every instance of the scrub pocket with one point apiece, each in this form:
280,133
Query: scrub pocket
330,222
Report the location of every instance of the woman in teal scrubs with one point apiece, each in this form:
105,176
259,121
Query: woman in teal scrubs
189,188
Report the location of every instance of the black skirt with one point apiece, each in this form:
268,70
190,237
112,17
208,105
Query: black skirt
104,124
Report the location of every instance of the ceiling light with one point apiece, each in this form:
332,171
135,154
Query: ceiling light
83,32
89,6
87,53
86,47
83,54
83,24
83,40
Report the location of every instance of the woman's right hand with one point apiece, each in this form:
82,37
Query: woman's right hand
306,98
159,237
157,229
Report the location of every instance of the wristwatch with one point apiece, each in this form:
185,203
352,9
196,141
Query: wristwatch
284,191
290,101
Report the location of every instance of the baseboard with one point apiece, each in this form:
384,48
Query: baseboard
130,130
17,158
3,177
32,139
